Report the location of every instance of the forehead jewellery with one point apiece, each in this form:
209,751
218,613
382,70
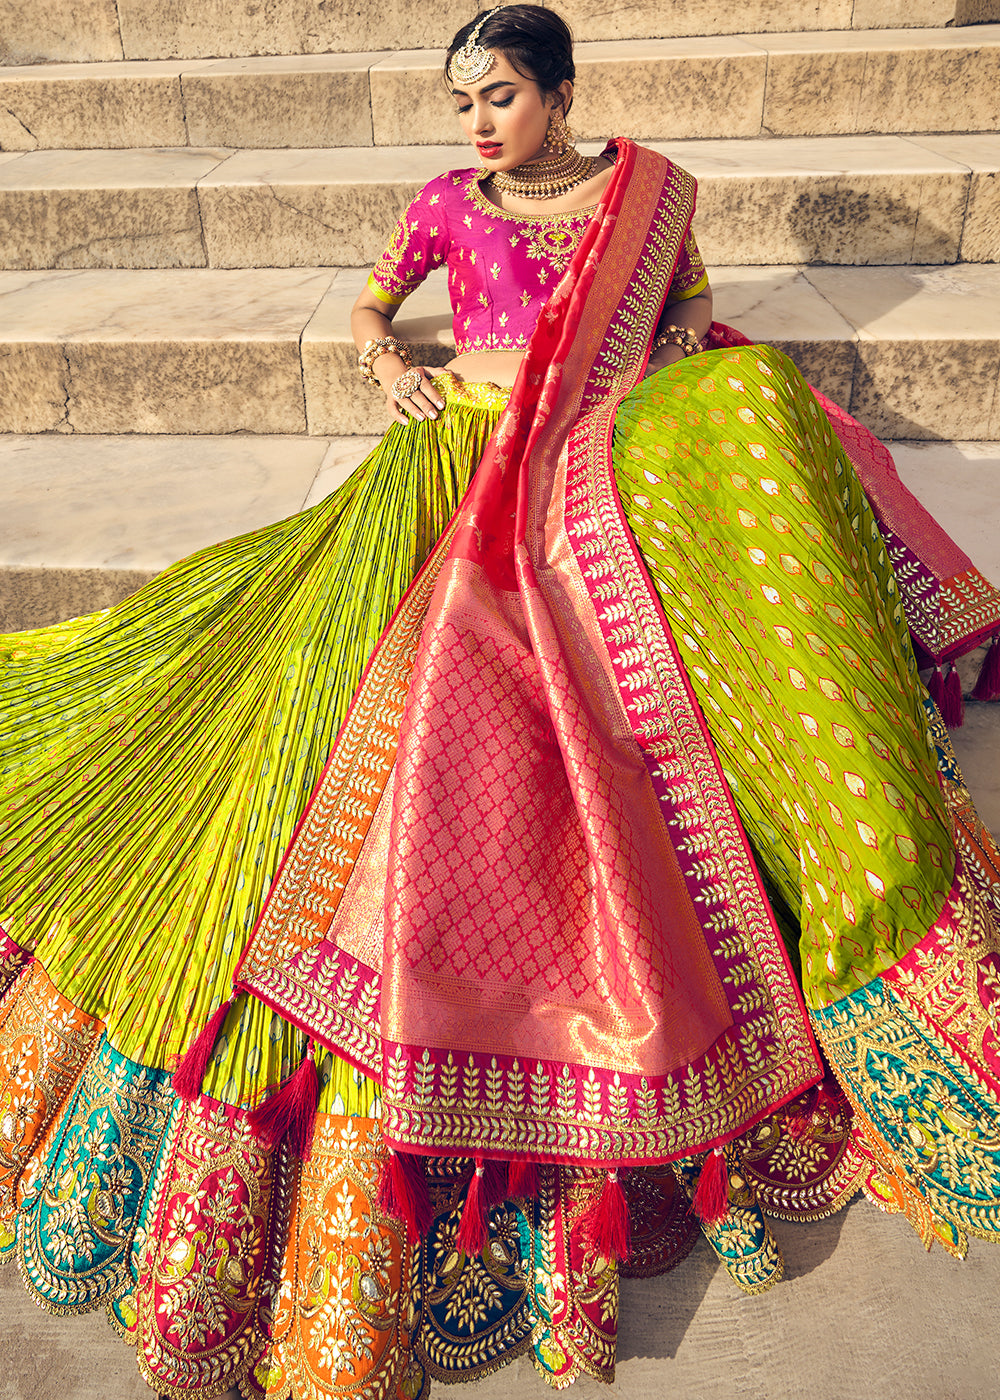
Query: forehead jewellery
472,62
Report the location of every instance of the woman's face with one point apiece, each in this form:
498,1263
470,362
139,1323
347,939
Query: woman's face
504,115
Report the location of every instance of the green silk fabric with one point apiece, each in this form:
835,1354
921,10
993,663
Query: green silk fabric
155,758
776,585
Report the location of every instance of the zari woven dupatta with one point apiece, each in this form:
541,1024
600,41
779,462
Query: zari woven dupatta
521,897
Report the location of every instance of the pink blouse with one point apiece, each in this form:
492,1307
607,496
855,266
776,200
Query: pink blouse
502,267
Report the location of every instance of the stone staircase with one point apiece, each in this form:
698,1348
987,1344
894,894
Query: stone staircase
190,194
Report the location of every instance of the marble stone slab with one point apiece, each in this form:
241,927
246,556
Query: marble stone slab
135,502
410,101
132,209
302,208
50,30
888,81
234,28
160,352
928,362
343,456
858,200
337,400
981,154
640,19
96,105
872,200
34,385
275,102
649,88
892,14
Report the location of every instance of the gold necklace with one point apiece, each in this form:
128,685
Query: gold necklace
544,179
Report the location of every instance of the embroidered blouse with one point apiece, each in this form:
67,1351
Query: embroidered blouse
502,267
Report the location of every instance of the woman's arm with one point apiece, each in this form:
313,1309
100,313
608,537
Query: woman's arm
371,319
693,314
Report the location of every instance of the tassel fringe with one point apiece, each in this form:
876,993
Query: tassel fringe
472,1228
403,1195
290,1113
522,1180
605,1225
494,1182
952,705
711,1197
987,685
935,687
190,1073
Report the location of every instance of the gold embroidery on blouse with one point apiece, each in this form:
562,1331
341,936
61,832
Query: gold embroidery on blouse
475,195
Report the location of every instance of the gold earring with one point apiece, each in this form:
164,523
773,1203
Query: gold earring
558,138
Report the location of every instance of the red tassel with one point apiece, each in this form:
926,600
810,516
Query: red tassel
711,1196
987,685
472,1228
190,1073
828,1099
522,1180
403,1196
291,1111
952,706
605,1225
494,1182
935,687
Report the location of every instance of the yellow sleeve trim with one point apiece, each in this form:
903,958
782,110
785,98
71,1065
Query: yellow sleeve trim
382,295
689,292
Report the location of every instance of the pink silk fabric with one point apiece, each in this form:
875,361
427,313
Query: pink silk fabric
553,920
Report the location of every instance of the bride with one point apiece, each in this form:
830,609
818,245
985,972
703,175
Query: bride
414,908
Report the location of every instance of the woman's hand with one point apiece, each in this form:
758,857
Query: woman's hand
425,403
661,358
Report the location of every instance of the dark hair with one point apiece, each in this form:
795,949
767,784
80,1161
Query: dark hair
535,41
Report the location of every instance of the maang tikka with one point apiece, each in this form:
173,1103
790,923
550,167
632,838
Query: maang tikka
472,62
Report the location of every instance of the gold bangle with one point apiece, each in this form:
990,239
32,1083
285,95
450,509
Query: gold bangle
385,345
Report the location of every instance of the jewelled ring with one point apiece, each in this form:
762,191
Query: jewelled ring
406,385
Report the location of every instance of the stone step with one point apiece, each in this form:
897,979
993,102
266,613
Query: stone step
912,351
100,30
839,199
88,520
901,80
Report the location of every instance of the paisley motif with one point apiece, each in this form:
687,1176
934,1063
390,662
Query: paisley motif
77,1227
742,1239
802,1162
45,1042
476,1312
662,1229
207,1281
917,1054
346,1309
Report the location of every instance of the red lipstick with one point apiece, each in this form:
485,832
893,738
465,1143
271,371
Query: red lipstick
489,149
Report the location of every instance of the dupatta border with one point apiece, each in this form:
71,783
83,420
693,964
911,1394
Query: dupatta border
554,1110
550,1110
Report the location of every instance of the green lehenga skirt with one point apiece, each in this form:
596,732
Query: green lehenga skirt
155,760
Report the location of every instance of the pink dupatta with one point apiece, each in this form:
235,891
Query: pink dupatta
521,897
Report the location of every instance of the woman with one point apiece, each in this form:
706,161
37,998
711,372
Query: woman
636,772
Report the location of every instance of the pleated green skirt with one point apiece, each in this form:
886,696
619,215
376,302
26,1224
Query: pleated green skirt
155,757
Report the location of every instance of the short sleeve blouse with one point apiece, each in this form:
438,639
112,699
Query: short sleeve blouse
502,266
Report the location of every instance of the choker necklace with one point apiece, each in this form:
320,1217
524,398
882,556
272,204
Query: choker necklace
545,179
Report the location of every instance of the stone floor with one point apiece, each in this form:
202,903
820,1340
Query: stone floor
863,1314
